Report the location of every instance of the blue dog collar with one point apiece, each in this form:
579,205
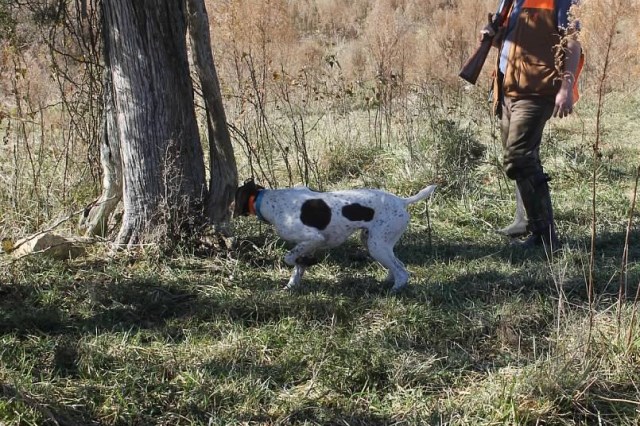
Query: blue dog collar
257,204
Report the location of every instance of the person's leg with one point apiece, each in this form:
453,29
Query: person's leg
519,225
522,164
537,201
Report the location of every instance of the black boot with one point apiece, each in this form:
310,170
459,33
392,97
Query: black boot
537,203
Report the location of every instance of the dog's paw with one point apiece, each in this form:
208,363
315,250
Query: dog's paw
290,286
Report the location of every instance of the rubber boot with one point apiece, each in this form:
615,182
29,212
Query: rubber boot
537,203
518,227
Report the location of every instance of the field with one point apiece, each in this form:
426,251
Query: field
337,95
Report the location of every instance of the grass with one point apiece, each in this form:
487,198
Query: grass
485,334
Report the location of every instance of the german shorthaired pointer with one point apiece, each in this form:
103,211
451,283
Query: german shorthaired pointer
317,220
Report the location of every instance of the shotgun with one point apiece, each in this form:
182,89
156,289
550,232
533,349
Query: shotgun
471,69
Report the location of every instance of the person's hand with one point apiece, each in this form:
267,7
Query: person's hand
488,30
564,99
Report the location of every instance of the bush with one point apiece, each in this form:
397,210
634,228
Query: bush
457,155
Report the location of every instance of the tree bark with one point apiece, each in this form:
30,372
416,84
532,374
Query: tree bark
96,222
164,188
223,179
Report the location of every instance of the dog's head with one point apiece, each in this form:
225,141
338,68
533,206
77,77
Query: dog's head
243,196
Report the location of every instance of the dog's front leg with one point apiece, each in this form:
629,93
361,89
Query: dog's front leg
296,277
301,257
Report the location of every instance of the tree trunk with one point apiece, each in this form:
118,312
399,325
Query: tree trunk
223,180
162,159
96,221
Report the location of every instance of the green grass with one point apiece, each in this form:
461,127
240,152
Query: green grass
485,334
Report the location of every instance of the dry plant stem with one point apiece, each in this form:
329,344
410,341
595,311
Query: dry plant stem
634,315
23,134
81,107
622,288
596,153
262,124
306,167
561,299
429,232
634,311
250,152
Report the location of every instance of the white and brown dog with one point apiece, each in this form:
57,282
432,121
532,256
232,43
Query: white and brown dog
317,220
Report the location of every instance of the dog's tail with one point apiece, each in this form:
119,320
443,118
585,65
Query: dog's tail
421,195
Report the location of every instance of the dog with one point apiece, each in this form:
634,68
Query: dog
318,220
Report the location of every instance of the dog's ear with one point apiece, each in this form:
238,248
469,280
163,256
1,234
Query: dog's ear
243,194
250,185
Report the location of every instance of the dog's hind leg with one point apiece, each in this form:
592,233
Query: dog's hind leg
381,243
383,253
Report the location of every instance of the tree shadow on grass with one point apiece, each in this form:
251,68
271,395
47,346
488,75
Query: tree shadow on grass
125,305
51,412
168,307
122,304
525,272
157,309
312,414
